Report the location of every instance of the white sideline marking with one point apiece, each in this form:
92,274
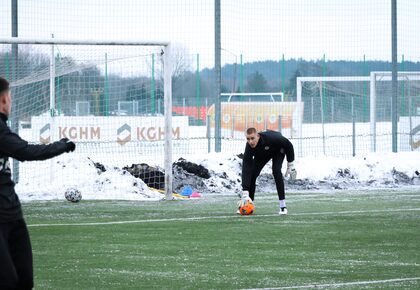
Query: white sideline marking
220,217
343,284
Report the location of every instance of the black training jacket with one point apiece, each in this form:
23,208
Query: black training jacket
270,143
11,145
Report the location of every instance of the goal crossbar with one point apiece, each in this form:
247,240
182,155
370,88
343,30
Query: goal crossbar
18,40
386,77
230,95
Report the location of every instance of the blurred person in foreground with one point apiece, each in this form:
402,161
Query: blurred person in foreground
16,268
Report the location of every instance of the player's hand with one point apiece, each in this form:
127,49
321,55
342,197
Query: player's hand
244,193
291,171
244,198
70,146
244,201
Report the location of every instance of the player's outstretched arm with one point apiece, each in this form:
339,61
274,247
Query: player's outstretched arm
21,150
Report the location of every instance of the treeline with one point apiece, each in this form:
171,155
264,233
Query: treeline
274,76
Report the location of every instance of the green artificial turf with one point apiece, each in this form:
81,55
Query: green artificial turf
346,240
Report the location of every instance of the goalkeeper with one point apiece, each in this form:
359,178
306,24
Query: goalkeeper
260,148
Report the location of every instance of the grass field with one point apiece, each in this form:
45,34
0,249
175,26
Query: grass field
346,240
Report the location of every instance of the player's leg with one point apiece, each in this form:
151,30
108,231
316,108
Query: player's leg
278,178
252,187
8,275
258,166
256,170
21,252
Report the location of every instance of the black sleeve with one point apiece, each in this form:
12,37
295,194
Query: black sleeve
289,150
282,142
247,165
14,146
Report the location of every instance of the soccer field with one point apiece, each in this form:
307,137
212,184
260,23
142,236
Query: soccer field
346,240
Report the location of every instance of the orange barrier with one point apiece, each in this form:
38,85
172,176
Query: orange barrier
262,115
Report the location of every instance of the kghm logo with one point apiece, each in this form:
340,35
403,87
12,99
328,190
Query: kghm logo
413,134
124,134
45,134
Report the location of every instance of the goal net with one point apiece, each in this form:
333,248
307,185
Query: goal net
352,115
108,97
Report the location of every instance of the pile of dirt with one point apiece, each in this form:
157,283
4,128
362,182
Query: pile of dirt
153,176
195,169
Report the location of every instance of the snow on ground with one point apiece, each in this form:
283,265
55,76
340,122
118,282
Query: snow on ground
81,173
379,170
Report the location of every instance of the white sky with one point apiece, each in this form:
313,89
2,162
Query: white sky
263,29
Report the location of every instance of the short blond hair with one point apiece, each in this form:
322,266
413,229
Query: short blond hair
251,130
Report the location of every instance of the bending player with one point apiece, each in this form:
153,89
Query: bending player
260,148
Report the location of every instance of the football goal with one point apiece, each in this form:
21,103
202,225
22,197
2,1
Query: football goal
345,115
104,95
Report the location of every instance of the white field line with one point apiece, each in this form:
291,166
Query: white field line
225,217
323,196
343,284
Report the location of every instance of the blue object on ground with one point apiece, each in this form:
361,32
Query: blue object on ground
187,191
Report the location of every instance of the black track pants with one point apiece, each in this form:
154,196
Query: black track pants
278,176
16,270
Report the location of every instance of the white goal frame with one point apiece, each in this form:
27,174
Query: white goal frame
375,76
230,95
167,60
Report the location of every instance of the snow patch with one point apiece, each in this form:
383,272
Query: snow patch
81,173
98,181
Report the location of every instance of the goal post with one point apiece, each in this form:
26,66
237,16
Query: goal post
365,100
54,77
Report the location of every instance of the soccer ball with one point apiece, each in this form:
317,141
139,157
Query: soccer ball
247,208
73,194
